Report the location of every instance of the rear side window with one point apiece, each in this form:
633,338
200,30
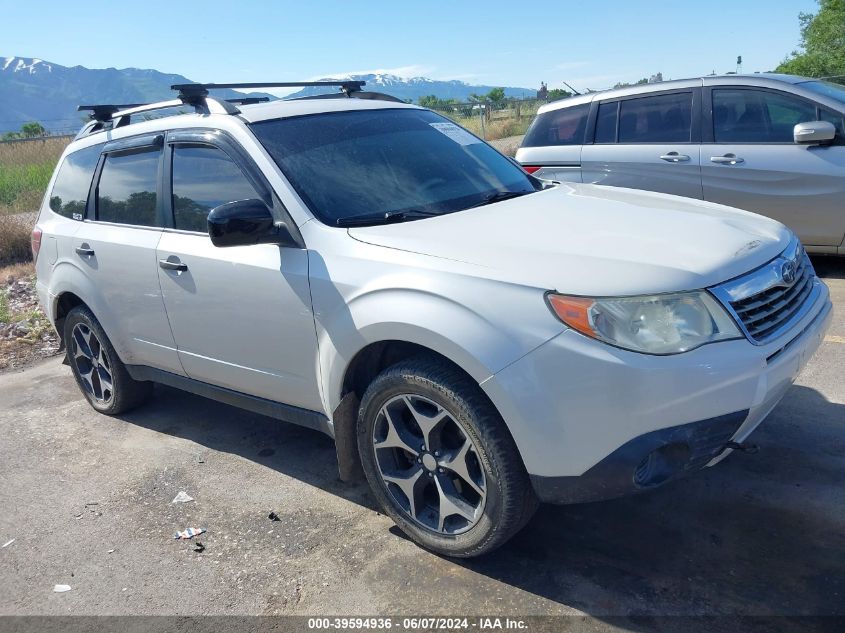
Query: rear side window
659,119
203,178
757,116
70,192
127,190
564,126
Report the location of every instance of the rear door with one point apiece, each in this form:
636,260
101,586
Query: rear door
241,316
647,142
115,247
750,161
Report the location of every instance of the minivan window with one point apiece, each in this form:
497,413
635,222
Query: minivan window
836,118
827,88
69,196
757,116
126,193
383,162
656,119
606,122
203,178
564,126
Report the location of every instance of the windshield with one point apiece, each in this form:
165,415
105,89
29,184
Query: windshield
827,88
386,163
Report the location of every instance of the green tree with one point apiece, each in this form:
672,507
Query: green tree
33,129
822,43
496,96
558,93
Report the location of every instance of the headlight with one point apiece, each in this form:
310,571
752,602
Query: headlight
655,324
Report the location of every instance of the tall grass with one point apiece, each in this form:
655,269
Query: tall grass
25,170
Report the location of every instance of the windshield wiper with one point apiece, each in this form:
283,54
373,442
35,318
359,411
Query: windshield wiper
384,218
499,196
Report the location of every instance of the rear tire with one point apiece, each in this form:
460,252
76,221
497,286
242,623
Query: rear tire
441,461
99,372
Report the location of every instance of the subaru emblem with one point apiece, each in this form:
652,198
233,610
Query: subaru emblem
787,272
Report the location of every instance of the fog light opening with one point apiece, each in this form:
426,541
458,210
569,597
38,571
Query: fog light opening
662,464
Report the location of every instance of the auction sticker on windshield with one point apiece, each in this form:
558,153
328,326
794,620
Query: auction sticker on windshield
456,133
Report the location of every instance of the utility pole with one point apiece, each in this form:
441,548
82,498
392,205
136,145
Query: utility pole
739,64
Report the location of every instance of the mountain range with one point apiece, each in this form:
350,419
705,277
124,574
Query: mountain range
32,89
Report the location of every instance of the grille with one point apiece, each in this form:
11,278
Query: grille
764,313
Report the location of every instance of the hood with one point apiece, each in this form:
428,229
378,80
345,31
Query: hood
593,240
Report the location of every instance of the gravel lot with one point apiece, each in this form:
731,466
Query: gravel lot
87,499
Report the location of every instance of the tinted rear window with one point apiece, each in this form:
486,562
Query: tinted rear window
127,190
70,192
606,122
658,119
564,126
364,162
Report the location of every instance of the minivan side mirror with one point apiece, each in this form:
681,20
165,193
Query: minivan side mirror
814,132
246,222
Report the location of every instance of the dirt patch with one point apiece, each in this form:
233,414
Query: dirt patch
25,332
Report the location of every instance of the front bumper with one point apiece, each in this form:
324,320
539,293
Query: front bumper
585,416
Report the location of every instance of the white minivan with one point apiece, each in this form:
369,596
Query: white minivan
768,143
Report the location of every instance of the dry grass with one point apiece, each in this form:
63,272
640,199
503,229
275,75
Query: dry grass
15,233
25,170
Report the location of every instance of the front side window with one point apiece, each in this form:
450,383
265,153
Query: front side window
126,193
204,178
564,126
69,196
387,162
757,116
657,119
836,118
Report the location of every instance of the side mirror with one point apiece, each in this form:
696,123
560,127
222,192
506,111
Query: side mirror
245,222
814,132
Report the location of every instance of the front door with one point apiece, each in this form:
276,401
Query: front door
754,164
241,316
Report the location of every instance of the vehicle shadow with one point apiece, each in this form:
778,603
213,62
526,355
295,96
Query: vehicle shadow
828,266
295,451
759,534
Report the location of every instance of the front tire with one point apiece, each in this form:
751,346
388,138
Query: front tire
441,461
99,372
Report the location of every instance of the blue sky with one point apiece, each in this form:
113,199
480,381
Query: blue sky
589,44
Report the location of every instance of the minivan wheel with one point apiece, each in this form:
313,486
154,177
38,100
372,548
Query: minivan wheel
440,460
100,374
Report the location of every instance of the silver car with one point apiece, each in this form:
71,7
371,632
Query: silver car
768,143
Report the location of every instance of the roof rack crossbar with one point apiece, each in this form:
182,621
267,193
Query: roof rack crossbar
104,112
195,91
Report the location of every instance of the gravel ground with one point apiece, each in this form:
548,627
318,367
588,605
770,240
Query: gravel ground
507,145
88,502
25,333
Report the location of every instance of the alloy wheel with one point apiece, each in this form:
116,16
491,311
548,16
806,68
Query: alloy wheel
92,363
429,464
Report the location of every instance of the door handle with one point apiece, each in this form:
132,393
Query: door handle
674,157
85,250
173,263
727,159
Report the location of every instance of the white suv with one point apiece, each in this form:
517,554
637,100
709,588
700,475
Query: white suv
477,342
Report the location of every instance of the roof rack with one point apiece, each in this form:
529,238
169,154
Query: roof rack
192,92
103,112
108,116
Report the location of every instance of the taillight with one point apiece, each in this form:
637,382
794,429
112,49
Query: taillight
35,240
530,169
